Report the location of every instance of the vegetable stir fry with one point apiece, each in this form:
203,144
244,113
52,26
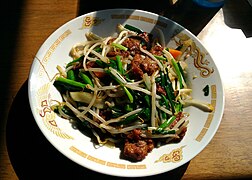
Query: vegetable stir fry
126,89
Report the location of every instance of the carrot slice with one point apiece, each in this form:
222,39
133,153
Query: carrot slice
175,53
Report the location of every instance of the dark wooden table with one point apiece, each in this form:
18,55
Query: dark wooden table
227,34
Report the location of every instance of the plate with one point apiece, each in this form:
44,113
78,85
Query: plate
202,72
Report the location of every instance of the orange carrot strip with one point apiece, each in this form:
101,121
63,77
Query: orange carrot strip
175,53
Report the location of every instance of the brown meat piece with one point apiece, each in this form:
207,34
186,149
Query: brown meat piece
157,50
112,54
143,65
178,117
132,45
136,148
161,90
145,36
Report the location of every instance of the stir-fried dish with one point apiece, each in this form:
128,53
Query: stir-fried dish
126,89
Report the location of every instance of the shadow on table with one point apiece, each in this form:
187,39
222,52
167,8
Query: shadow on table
11,12
185,12
33,156
238,17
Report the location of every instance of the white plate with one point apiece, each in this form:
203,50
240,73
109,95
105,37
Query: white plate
202,71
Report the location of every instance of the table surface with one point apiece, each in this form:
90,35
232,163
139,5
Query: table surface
226,32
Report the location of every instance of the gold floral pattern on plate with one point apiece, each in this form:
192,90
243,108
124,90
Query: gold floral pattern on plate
90,21
174,156
189,48
45,112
